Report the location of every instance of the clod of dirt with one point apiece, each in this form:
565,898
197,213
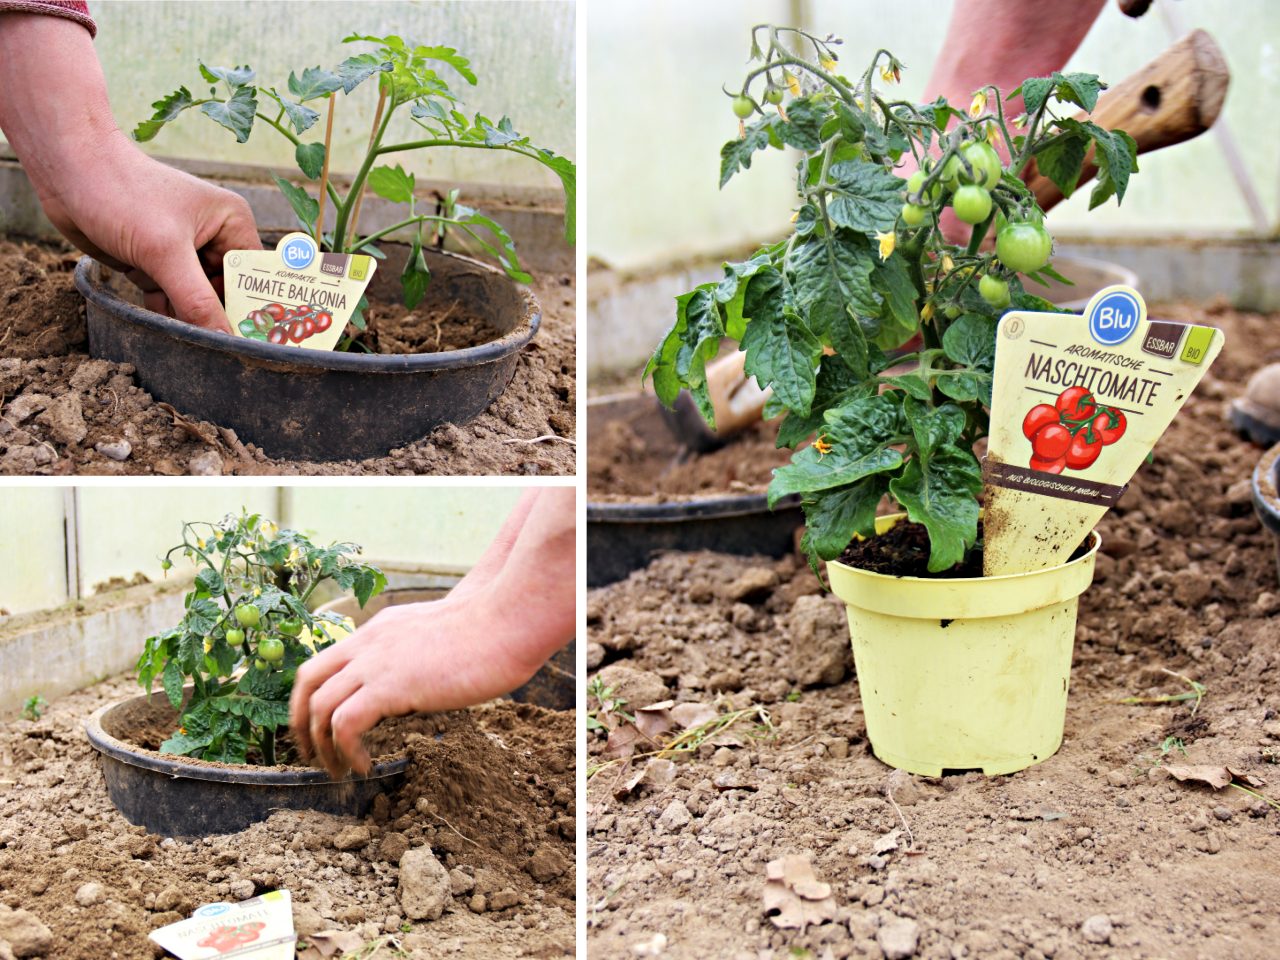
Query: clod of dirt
23,933
424,885
819,631
121,429
638,688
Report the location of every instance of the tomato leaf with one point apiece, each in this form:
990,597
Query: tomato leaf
310,157
301,118
736,154
314,83
235,114
1063,160
232,76
355,70
305,207
782,352
833,517
829,275
172,680
867,197
415,276
166,109
392,183
505,249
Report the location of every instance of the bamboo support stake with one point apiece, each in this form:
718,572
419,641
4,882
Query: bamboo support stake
324,174
373,133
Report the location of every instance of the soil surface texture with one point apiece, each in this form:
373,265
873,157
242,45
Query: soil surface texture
480,837
64,413
1100,851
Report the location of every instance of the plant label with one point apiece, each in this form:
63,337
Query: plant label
257,929
295,294
1077,404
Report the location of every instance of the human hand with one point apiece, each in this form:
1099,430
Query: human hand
416,657
167,229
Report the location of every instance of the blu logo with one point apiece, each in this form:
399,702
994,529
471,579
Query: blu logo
1115,314
297,251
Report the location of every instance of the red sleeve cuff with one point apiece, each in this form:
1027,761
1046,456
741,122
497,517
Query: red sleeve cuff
76,10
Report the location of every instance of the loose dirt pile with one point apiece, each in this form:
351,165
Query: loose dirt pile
624,463
63,413
489,793
1098,852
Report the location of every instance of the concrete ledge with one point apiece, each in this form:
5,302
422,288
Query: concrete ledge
533,216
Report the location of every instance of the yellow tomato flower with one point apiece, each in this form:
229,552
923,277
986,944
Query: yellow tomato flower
822,446
926,312
947,263
891,72
978,105
887,242
827,64
793,83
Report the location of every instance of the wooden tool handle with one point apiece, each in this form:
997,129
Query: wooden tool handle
1175,97
737,399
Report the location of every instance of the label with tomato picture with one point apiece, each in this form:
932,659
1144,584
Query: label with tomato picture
1078,402
294,295
257,929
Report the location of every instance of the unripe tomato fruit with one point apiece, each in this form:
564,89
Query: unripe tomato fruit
994,290
247,615
972,203
291,627
1024,247
773,95
743,107
271,649
913,215
235,637
260,664
916,181
985,162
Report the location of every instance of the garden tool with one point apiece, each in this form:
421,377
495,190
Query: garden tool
1175,97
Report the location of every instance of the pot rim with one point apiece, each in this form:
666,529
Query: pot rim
1266,489
89,282
190,769
679,511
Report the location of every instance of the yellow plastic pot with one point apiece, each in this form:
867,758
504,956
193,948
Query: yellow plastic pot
963,674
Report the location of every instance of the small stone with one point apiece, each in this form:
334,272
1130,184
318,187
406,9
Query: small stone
25,934
1097,929
675,818
898,938
307,920
115,450
354,837
546,864
170,898
1222,813
1119,778
595,655
424,885
351,915
207,464
90,893
242,889
504,899
393,847
477,903
752,584
461,883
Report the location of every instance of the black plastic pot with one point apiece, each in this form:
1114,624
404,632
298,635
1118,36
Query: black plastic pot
174,797
622,537
312,404
554,686
1266,496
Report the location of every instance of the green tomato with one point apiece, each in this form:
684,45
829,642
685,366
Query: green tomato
247,615
235,637
985,162
951,173
916,180
166,565
291,627
972,203
913,216
951,311
1024,247
261,664
994,290
271,649
743,107
773,95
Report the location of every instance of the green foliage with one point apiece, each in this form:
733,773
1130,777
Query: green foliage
822,314
410,75
33,707
233,709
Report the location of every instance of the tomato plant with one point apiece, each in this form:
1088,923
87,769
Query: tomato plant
240,644
829,315
408,79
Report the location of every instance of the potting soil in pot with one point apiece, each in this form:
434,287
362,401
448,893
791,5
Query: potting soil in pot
67,414
1099,852
489,793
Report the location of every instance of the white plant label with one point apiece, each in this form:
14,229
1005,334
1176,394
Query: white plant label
257,929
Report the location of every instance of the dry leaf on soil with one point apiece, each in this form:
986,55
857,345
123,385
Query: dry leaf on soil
655,720
331,943
657,772
794,897
690,715
888,842
1215,776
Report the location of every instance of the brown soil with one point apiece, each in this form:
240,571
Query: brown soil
1005,867
903,551
394,328
626,464
59,410
489,790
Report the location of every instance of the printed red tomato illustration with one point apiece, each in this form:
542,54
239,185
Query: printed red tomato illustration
1075,403
276,323
1042,414
1070,433
275,311
228,938
324,319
